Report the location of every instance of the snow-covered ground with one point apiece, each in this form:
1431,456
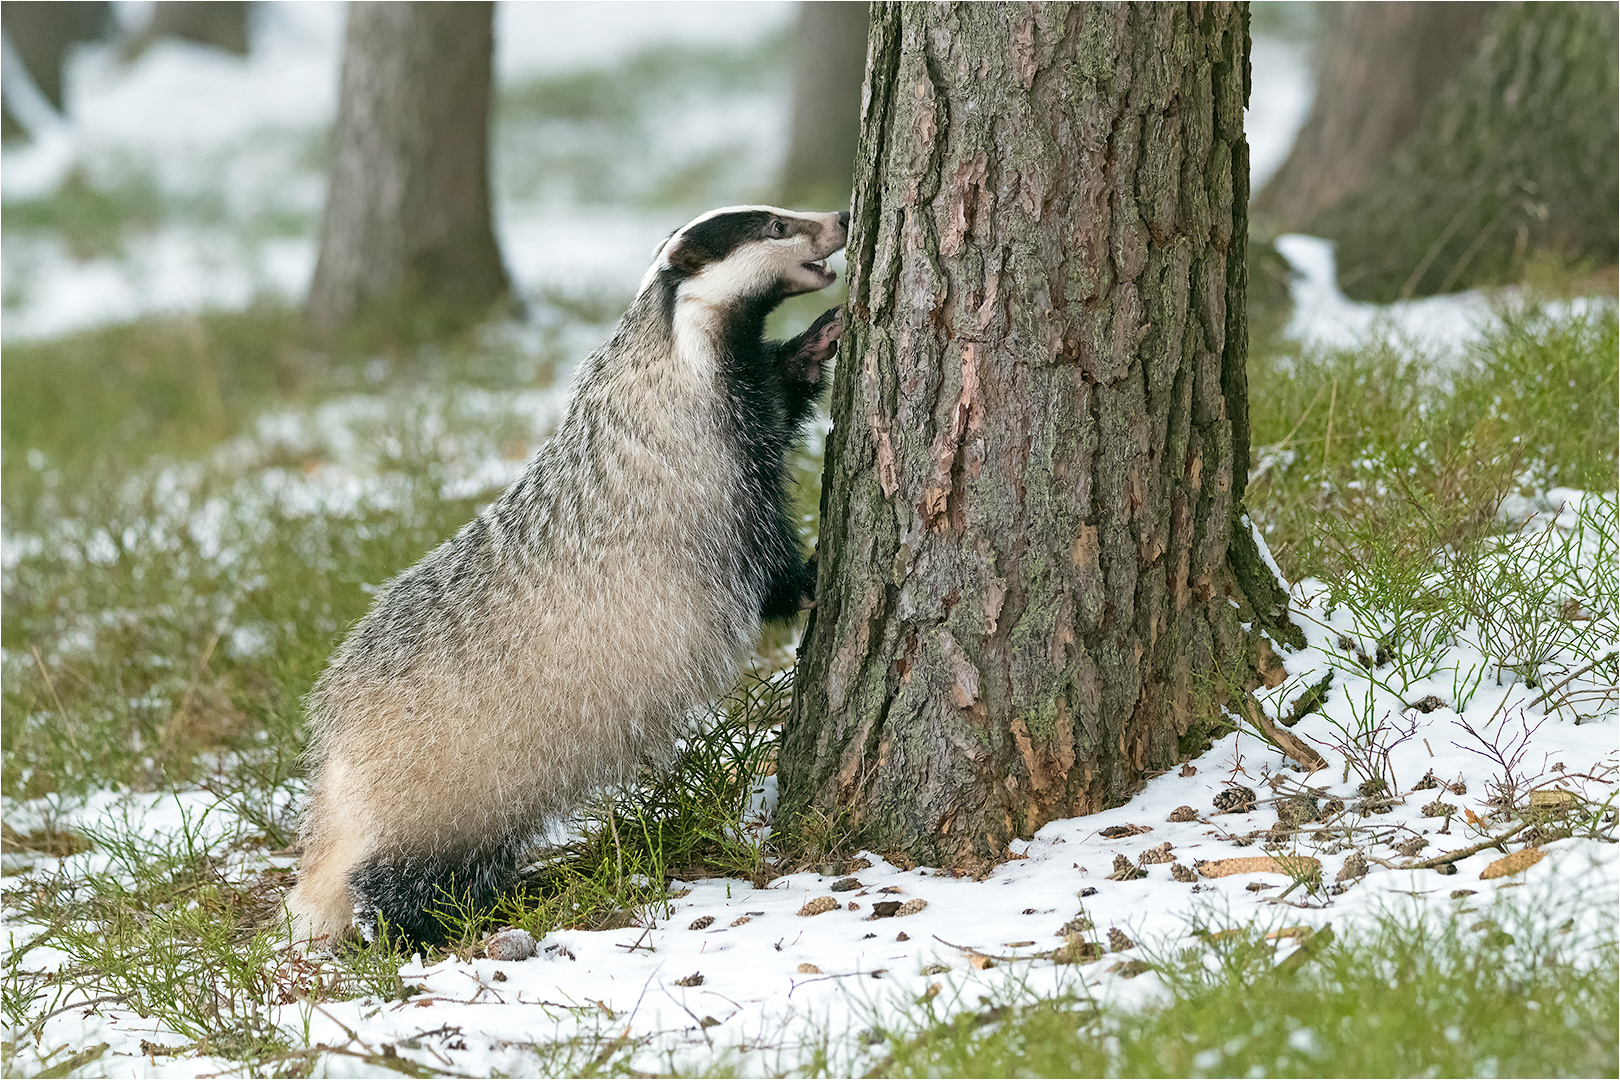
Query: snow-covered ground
730,973
242,135
1444,728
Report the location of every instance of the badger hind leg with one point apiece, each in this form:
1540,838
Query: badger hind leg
410,892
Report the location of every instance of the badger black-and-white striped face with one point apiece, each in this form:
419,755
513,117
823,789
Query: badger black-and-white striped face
741,252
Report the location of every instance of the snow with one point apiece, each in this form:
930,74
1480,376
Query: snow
477,1016
1280,98
1439,327
204,125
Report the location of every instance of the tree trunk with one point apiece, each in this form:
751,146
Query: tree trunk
1377,66
829,63
406,239
1515,159
1033,575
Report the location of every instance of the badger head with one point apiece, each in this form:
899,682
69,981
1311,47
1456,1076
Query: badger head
741,253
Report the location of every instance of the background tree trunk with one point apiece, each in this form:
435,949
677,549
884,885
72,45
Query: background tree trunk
1516,158
829,47
1377,66
41,34
407,239
1030,510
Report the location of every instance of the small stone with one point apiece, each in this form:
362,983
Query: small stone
1355,866
1368,788
1124,871
694,979
848,884
1155,855
884,909
1087,891
819,905
510,944
739,920
1236,799
1118,940
1429,782
1183,813
911,907
1439,809
902,936
809,969
1446,869
702,924
1182,873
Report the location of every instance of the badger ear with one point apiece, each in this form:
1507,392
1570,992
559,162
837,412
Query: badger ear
683,254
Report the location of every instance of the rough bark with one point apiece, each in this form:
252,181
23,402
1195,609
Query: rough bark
1516,158
829,46
1377,66
406,238
1033,579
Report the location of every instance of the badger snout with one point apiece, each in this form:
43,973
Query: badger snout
831,235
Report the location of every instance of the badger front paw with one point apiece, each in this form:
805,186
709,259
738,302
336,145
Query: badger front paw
813,348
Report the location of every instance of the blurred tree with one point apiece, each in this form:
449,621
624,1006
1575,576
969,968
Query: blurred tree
407,243
1377,66
1036,582
40,35
1513,160
829,46
221,24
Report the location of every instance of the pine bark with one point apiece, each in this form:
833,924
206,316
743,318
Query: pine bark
1033,575
1514,160
829,45
407,238
1378,65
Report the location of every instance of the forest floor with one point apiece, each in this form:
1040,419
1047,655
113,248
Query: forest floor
196,505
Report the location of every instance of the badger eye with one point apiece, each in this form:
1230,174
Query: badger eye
778,227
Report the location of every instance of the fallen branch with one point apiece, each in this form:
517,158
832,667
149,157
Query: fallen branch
1286,741
1463,853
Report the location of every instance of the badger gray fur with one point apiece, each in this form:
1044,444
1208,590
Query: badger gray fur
559,640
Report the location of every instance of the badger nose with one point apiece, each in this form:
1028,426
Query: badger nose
843,218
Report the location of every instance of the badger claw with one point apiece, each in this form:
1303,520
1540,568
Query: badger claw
813,348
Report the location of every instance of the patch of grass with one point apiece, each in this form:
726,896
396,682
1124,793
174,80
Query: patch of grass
91,218
1370,435
623,134
1496,992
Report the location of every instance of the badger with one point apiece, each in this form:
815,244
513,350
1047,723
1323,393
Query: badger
559,640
